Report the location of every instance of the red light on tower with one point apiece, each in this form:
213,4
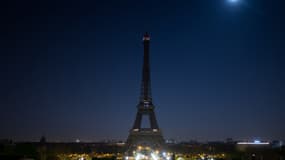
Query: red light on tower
146,37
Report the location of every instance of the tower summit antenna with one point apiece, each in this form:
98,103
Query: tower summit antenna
145,96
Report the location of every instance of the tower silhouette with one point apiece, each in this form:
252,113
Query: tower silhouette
150,136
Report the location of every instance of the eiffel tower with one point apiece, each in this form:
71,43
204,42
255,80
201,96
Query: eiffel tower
138,135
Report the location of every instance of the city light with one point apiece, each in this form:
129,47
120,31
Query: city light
138,156
147,153
154,156
254,143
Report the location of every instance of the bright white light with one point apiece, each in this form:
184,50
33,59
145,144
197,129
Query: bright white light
257,141
254,143
233,1
138,157
154,157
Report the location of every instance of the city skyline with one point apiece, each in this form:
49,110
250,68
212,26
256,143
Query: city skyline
72,70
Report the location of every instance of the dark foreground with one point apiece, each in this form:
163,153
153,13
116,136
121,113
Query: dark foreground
111,151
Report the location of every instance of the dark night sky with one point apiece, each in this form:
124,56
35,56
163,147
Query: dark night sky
73,69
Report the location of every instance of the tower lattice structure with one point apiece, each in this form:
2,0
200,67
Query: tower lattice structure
152,135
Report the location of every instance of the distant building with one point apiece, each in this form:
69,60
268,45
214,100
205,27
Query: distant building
252,144
43,140
230,141
277,144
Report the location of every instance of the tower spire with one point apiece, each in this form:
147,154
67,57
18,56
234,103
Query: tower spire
146,83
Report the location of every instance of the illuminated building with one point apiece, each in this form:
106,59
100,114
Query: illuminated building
256,142
252,144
